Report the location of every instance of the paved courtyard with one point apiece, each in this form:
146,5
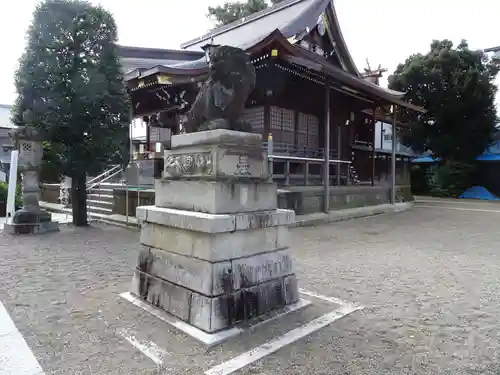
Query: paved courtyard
428,278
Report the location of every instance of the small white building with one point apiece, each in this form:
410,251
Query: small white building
6,145
383,139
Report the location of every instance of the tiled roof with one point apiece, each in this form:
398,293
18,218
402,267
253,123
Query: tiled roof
129,64
133,58
289,16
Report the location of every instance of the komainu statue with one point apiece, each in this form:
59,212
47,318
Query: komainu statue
221,99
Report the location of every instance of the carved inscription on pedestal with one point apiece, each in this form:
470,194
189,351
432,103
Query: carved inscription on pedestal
188,164
243,167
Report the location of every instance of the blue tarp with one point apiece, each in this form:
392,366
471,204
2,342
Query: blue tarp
425,159
484,157
479,192
489,157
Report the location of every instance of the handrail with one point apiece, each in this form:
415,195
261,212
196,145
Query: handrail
299,158
93,185
112,170
286,148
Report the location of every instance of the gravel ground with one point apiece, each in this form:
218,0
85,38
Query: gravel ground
428,279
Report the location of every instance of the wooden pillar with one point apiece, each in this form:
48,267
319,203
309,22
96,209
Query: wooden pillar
267,119
130,138
393,158
382,127
374,122
339,151
267,136
296,129
148,138
326,162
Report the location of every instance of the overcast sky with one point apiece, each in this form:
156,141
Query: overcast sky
384,31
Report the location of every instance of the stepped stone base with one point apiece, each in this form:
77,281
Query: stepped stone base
215,313
219,269
214,246
31,228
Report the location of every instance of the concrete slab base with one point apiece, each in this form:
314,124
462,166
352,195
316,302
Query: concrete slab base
319,218
31,228
212,339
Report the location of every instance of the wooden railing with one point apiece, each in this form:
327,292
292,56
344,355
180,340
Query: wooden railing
290,169
304,164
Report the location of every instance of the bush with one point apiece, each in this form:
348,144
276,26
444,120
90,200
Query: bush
4,192
419,178
451,178
4,188
19,196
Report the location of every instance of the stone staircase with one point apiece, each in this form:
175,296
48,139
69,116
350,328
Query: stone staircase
353,174
100,198
100,191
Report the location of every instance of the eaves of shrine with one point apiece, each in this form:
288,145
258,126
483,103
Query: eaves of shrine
259,34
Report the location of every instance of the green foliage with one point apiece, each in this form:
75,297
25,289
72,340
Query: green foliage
456,87
235,10
50,171
70,85
4,188
419,178
18,202
451,178
4,192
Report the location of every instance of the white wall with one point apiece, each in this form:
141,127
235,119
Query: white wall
138,128
383,138
5,141
5,117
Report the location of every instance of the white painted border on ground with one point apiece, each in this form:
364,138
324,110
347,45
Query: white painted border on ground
261,351
455,201
441,207
209,339
337,301
288,338
16,357
148,348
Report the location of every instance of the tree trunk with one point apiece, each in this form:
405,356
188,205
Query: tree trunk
79,199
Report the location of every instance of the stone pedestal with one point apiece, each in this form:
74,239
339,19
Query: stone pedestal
214,245
30,219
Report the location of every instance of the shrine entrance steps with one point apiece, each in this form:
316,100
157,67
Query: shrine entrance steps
100,199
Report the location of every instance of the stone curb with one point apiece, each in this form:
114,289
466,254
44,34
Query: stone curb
317,218
348,214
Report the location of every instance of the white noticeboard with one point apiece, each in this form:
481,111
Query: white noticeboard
11,194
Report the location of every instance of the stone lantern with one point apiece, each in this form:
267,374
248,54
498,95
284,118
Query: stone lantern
30,218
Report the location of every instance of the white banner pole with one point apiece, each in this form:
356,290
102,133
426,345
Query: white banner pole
11,194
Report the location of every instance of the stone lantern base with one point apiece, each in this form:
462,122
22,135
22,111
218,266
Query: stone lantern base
31,221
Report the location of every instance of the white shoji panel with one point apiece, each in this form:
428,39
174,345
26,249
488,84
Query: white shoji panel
255,117
302,128
312,131
288,122
313,142
287,137
282,125
275,114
